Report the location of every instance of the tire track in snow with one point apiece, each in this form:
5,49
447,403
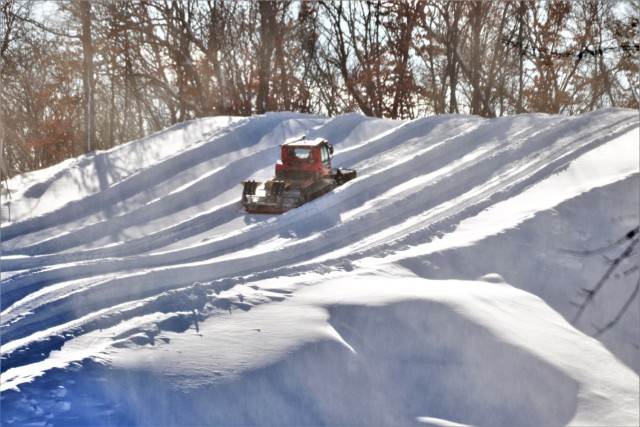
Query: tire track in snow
186,256
119,192
137,284
29,282
508,181
156,181
446,149
221,181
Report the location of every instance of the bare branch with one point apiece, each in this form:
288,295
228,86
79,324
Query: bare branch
591,293
624,308
628,236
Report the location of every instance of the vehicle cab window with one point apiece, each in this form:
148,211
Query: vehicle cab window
299,153
324,155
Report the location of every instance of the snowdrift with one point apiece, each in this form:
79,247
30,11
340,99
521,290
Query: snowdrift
438,288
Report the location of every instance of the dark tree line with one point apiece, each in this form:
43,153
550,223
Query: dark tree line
77,76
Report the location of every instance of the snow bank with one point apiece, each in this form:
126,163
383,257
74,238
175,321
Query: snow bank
435,289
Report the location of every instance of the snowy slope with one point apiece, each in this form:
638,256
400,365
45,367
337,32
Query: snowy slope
435,289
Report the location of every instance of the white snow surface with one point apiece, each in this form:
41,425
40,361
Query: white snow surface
437,288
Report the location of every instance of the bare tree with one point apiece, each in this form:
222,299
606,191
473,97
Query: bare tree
147,64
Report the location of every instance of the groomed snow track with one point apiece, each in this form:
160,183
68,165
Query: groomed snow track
142,233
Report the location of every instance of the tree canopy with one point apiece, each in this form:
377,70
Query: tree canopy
78,76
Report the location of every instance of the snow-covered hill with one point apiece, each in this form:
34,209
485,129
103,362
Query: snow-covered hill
438,288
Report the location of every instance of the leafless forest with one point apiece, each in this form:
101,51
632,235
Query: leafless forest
77,76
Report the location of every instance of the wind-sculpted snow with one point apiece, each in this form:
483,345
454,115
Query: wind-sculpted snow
148,250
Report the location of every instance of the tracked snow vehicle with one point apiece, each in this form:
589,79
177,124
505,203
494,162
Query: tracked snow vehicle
304,173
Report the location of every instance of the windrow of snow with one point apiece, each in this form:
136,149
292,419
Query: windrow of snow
391,301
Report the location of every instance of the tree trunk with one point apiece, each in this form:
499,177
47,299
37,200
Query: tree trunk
87,75
267,25
522,10
452,42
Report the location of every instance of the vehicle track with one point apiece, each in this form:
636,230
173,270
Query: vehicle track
444,172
